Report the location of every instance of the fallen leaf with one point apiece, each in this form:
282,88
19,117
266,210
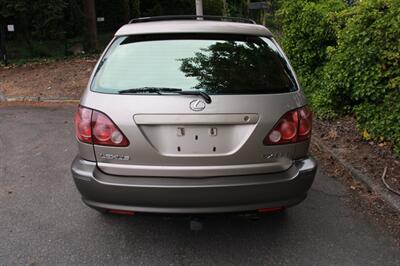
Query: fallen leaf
366,135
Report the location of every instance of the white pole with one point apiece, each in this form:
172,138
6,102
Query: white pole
199,7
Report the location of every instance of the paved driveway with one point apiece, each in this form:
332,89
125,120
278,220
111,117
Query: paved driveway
43,222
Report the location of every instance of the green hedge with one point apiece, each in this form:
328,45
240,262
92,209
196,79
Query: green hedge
307,31
348,61
363,74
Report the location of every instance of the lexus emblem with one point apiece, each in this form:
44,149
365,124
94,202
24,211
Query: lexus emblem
197,105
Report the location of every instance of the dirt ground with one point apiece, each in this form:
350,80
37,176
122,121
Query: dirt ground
370,158
64,78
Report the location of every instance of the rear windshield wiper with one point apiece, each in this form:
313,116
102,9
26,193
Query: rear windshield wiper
158,90
162,90
205,96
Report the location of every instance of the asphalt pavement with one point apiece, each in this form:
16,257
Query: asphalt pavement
44,222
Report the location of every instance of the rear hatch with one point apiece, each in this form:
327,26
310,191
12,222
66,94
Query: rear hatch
251,87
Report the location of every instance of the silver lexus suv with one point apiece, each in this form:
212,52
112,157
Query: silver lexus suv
193,115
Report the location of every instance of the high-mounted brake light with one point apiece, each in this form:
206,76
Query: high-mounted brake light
94,127
294,126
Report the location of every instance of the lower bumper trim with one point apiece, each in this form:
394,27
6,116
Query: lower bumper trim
196,210
192,195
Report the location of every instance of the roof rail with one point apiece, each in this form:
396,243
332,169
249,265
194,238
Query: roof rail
194,17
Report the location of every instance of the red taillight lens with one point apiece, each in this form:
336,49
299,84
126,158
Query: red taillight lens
270,209
96,128
105,132
130,213
83,128
305,124
292,127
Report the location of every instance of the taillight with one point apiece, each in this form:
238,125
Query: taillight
305,123
83,128
94,127
105,132
292,127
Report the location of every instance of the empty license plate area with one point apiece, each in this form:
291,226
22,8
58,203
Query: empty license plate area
196,140
207,135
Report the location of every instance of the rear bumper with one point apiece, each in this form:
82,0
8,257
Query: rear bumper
193,195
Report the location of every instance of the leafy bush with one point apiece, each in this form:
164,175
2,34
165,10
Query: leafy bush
348,60
237,8
307,32
363,72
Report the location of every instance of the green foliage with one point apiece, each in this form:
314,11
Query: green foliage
363,73
348,60
36,49
39,18
237,8
271,19
307,32
381,120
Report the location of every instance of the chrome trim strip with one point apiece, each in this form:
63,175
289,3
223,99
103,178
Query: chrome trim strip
204,119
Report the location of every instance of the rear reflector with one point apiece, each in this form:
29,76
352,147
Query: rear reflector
94,127
294,126
122,212
270,209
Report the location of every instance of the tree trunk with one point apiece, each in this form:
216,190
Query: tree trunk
90,25
225,7
3,52
126,11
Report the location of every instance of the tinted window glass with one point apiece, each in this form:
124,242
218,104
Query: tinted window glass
215,64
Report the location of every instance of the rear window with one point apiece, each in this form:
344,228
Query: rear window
215,64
